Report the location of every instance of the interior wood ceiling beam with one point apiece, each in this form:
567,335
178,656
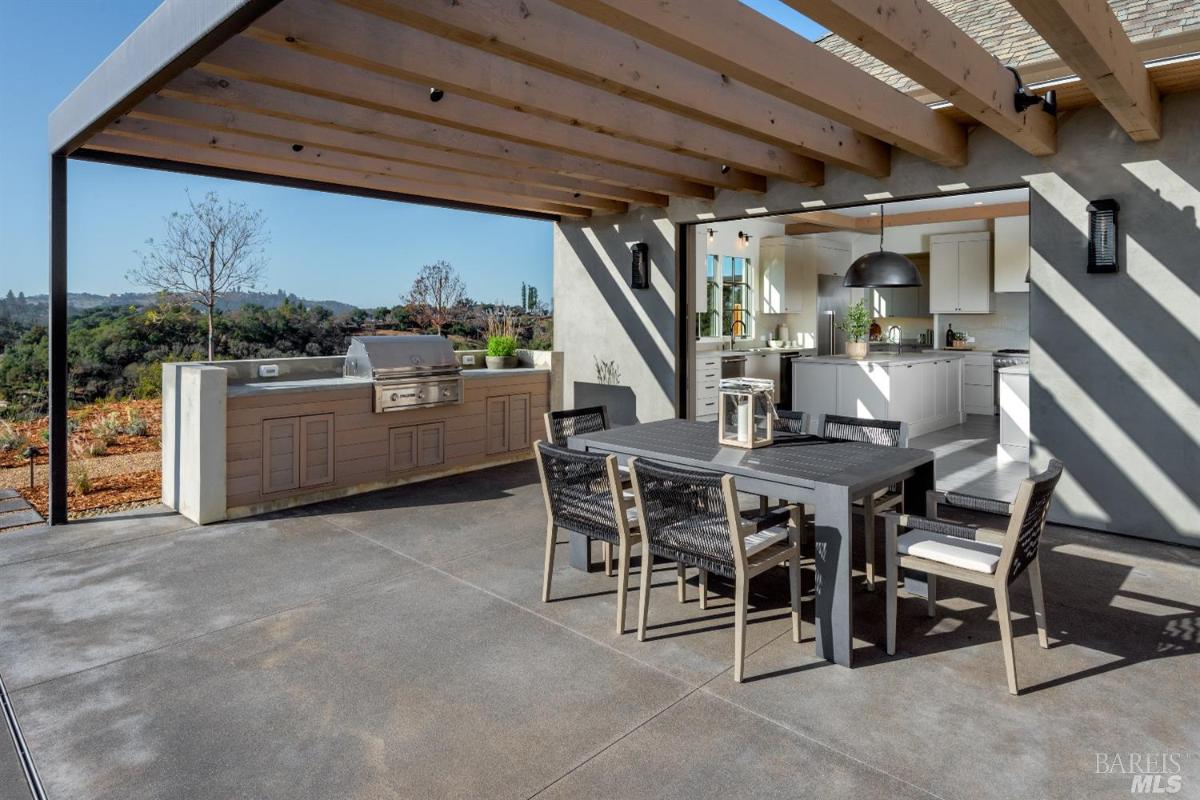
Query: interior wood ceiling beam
235,94
1089,38
775,60
337,32
246,58
222,159
287,132
919,41
826,221
314,154
546,35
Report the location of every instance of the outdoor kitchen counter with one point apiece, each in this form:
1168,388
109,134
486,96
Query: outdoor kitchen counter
885,359
339,383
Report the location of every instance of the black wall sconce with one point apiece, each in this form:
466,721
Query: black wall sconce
1023,99
743,237
1103,244
712,232
639,277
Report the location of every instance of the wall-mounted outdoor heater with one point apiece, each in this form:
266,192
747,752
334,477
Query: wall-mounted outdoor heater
639,277
1103,244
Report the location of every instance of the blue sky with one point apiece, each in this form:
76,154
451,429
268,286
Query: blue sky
323,246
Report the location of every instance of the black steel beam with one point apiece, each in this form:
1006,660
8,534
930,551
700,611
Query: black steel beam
58,340
186,168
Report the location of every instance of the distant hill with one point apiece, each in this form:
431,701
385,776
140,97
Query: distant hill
83,301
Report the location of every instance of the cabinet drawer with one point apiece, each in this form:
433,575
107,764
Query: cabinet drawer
708,363
977,396
977,375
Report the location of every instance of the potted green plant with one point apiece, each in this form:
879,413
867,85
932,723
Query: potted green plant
856,325
501,352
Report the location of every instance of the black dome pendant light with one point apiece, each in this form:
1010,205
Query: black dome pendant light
883,268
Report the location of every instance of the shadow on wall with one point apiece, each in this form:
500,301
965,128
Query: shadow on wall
1116,367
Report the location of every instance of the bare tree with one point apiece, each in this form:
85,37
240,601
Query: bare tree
209,250
436,291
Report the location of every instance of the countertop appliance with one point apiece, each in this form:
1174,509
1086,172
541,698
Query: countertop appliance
833,300
1011,357
408,371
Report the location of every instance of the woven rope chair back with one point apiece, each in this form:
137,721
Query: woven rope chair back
685,517
1032,518
581,498
560,425
792,421
855,429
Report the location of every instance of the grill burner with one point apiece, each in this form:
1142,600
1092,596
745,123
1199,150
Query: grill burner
408,371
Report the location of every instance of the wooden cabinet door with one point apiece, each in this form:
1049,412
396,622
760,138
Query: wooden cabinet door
904,393
814,388
316,449
926,390
774,277
431,444
943,276
1011,261
974,276
402,448
941,396
863,390
280,454
497,433
518,422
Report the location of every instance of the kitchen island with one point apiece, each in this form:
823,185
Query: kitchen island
922,389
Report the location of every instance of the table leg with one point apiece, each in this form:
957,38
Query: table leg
834,595
580,552
915,583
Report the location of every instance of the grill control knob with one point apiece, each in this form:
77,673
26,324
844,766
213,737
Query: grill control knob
394,396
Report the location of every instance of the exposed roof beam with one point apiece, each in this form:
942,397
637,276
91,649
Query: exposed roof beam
918,40
314,155
243,57
546,35
1089,38
822,221
777,61
236,94
340,33
222,159
213,118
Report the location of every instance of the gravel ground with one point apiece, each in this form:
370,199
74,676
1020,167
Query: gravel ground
97,468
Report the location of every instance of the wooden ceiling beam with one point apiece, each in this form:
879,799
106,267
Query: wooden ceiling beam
737,41
222,159
313,154
245,58
919,41
1089,38
213,118
235,94
827,221
546,35
339,33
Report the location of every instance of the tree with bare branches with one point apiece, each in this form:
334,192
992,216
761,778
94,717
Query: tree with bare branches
436,292
209,250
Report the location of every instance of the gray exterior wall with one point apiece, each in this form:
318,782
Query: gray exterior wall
1115,361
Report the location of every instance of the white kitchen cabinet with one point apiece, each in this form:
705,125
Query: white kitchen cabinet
814,387
863,391
707,380
1010,263
960,273
977,387
790,267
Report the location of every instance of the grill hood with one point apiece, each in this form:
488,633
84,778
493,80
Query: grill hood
387,357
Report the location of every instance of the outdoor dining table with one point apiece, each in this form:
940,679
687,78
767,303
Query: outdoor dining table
826,474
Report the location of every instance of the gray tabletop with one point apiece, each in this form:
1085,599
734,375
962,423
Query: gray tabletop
800,460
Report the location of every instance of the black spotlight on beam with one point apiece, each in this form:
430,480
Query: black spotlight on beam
436,94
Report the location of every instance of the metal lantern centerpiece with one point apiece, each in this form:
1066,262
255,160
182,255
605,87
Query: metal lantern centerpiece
746,412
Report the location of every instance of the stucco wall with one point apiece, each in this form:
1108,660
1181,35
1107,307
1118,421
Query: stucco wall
1115,361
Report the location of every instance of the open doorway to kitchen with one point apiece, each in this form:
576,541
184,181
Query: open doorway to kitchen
766,298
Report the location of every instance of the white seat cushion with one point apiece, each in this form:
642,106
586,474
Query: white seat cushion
760,540
963,553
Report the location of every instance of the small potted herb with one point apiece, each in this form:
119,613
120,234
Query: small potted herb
501,352
857,325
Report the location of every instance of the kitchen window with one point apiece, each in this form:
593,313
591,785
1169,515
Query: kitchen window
737,318
708,319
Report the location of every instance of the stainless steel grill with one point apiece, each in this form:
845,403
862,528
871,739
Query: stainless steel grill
408,371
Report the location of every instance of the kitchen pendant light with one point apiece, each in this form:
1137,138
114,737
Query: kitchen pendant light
882,268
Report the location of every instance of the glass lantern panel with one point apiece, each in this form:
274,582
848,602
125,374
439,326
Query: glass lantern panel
737,417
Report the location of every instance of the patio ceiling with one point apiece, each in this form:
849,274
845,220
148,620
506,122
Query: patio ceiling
569,108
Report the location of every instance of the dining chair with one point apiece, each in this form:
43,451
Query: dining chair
563,424
889,433
979,555
583,494
692,517
791,421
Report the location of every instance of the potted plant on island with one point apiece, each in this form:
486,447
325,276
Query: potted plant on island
856,326
501,352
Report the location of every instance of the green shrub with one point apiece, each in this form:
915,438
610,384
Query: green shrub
135,423
11,440
106,429
81,481
500,346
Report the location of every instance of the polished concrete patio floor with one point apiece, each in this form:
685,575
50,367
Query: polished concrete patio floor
393,646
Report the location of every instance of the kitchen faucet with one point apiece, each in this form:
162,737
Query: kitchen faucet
895,328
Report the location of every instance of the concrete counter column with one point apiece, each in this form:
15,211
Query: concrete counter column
193,452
